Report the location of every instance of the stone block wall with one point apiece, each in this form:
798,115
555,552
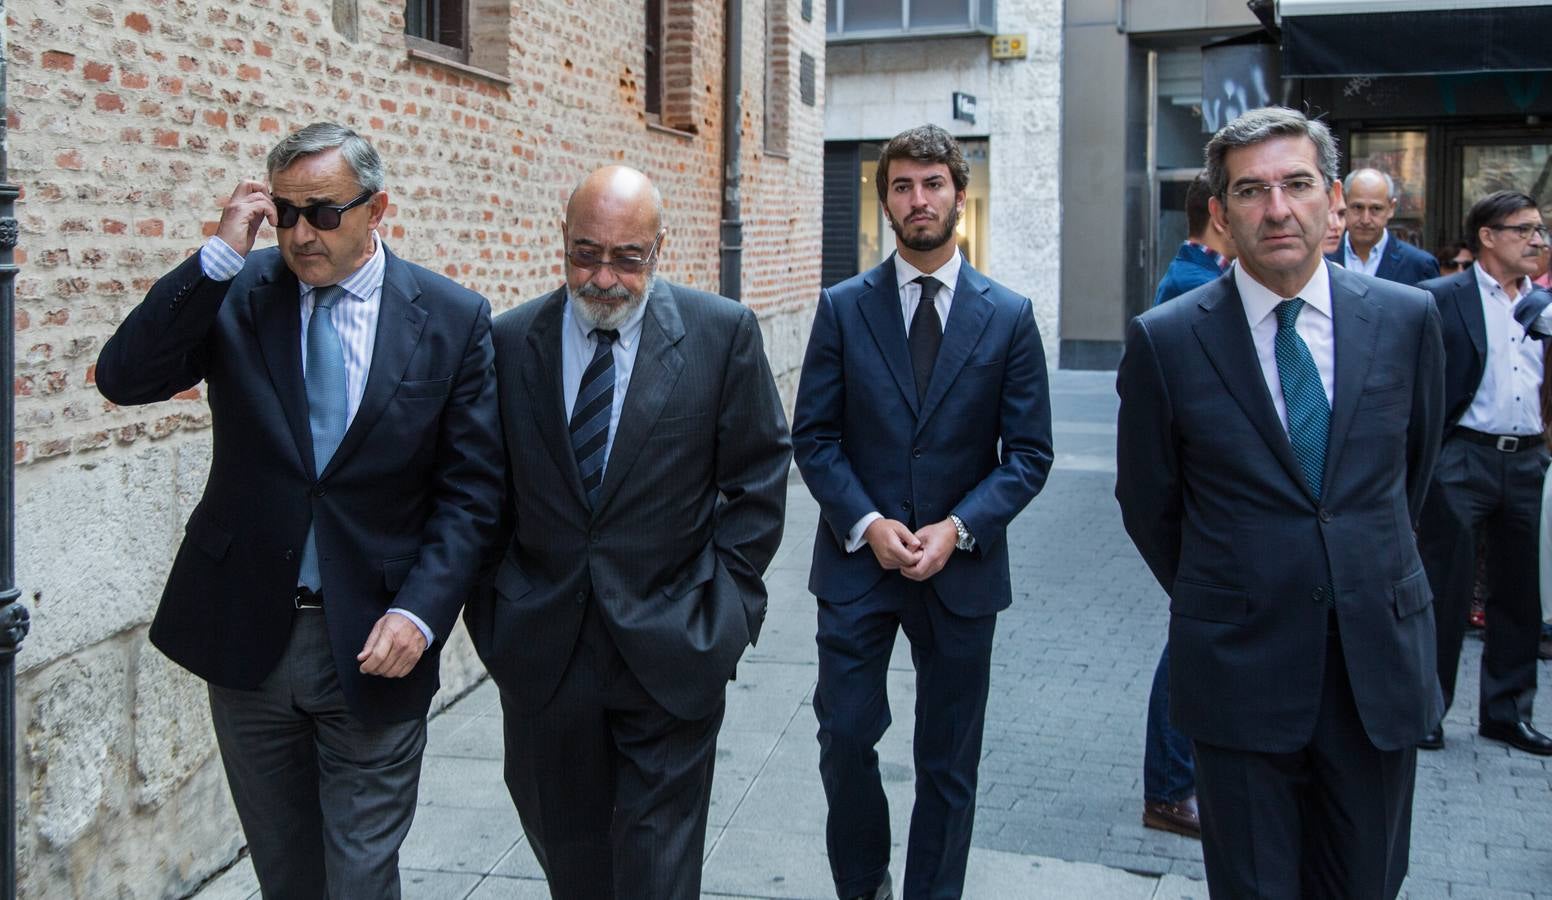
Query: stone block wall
129,121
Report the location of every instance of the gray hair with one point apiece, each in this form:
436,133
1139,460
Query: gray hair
1264,124
1390,183
323,136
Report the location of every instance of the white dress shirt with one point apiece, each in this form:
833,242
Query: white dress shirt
1351,261
1314,325
355,318
910,297
576,351
1508,400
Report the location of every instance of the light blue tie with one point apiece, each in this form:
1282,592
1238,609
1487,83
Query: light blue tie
327,409
1309,415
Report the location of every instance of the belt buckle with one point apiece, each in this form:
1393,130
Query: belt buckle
1508,443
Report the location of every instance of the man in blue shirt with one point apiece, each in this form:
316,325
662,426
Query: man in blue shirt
1202,257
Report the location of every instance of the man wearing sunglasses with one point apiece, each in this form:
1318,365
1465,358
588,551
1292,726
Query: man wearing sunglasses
1491,464
647,459
354,482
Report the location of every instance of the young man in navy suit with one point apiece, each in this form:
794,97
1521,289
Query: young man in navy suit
1277,431
922,427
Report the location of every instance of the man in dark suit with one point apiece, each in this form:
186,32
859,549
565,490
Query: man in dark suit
922,427
1276,434
1369,247
354,483
1491,466
639,532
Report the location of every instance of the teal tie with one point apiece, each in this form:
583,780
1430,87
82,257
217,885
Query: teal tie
1309,415
327,408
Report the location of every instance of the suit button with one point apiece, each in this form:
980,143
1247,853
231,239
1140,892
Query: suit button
1321,595
905,506
916,453
1325,514
289,554
581,596
319,492
594,538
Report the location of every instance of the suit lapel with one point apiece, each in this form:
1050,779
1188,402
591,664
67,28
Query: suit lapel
1468,305
880,306
967,317
1391,261
1225,338
277,318
400,321
541,371
658,363
1355,325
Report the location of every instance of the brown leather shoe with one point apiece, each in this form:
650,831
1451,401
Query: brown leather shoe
1180,817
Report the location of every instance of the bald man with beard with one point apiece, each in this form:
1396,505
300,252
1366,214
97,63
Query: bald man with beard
646,458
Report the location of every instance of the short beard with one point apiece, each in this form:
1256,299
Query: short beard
929,242
591,308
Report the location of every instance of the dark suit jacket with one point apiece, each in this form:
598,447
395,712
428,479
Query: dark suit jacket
402,512
1465,339
977,446
1213,498
690,512
1189,269
1403,262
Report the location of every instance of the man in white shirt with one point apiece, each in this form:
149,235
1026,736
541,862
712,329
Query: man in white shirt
1491,464
1276,433
1368,246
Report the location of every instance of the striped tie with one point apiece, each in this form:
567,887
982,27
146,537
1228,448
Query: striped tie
1309,415
590,415
327,411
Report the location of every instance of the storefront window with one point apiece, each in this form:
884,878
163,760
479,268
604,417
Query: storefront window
1486,168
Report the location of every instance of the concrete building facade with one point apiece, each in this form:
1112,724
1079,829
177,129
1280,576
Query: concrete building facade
130,120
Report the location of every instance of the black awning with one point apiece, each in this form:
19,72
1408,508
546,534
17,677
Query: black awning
1416,42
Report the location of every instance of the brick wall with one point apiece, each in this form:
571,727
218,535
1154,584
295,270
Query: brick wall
129,120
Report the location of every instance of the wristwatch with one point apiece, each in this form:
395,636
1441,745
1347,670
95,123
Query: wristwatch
966,540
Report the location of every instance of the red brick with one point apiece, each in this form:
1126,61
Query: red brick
248,73
215,118
266,123
262,49
232,45
138,22
134,80
149,228
165,138
58,61
112,226
70,159
97,71
110,103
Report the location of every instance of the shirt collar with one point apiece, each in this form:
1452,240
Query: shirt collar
1210,253
360,284
1375,252
1490,283
629,330
1260,301
947,274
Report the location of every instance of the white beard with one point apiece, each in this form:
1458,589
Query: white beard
606,316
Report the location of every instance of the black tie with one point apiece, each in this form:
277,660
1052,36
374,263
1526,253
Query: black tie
926,334
590,414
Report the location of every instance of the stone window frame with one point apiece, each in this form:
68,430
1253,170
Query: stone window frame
484,50
778,76
670,53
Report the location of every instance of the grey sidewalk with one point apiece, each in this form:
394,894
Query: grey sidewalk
1060,794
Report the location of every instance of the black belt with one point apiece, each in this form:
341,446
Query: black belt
307,598
1506,443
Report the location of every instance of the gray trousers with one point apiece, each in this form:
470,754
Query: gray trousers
324,799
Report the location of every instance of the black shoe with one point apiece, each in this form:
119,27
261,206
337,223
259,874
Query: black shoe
1519,735
1433,740
885,891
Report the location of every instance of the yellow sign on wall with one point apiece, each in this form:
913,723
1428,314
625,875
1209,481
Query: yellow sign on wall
1010,46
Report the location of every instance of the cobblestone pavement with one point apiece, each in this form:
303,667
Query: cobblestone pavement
1061,779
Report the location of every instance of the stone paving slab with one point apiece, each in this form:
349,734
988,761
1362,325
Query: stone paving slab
1060,798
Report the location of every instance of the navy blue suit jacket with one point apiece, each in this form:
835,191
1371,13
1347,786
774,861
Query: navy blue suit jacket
1191,268
1253,563
402,511
1403,262
978,445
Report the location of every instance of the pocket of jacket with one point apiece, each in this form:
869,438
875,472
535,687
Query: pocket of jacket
1209,602
396,569
511,583
205,534
1412,594
435,387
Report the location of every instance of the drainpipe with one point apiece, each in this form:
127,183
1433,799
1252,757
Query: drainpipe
732,131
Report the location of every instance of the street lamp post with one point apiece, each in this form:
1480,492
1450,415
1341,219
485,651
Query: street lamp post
13,615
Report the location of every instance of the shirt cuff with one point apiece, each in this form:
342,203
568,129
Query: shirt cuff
424,630
854,540
219,261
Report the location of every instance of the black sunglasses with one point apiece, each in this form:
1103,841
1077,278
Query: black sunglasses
1450,265
321,216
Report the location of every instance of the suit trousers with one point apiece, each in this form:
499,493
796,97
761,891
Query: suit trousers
1479,489
1332,820
325,800
952,657
613,791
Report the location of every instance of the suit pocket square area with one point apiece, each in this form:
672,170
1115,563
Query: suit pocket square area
1413,594
1209,602
415,390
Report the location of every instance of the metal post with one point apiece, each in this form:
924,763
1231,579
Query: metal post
13,615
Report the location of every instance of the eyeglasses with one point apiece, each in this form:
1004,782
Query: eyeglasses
1453,265
1524,231
1256,193
622,265
321,216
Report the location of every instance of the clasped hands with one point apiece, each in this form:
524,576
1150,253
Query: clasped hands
917,555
